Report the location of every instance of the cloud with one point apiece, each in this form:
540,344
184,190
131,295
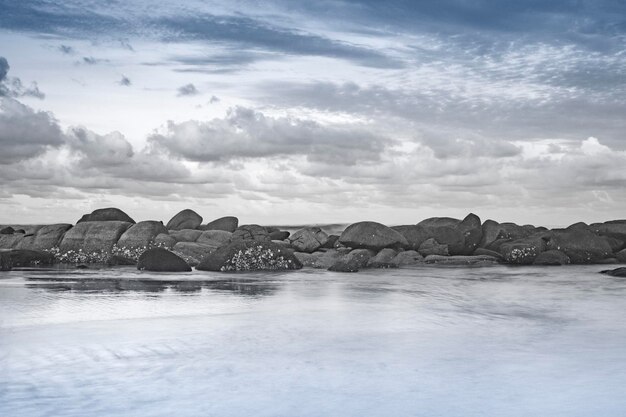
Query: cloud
24,132
246,133
125,81
89,60
187,90
66,49
100,150
13,87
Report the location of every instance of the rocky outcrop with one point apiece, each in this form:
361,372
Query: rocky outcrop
141,234
353,261
383,259
186,219
617,272
462,237
280,235
93,236
7,230
580,245
227,224
193,252
614,228
407,258
308,239
251,232
415,235
45,237
552,257
523,251
503,232
250,255
27,257
432,247
164,240
214,238
161,260
110,214
185,235
372,235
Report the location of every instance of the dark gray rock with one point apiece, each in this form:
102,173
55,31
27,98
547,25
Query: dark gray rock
185,235
582,246
193,252
552,257
5,261
162,260
106,215
353,261
251,232
250,255
343,266
372,235
621,256
415,235
279,235
186,219
7,231
613,228
383,259
407,258
472,231
321,260
432,247
618,272
93,236
45,238
164,240
27,257
118,260
523,251
331,242
141,234
308,239
227,224
215,238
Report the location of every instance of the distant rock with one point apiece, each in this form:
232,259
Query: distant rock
162,260
308,239
93,236
552,257
141,234
106,215
185,235
372,235
7,231
279,235
613,228
251,232
580,245
383,259
186,219
618,272
250,255
45,237
27,257
227,224
432,247
407,258
415,235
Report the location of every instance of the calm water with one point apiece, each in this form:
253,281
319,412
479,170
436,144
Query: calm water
432,341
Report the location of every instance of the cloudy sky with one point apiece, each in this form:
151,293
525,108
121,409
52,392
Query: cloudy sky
306,112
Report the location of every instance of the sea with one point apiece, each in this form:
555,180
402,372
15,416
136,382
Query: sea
498,341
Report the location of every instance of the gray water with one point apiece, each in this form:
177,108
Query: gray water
431,341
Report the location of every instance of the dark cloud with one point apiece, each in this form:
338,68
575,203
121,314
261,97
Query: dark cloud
4,68
66,49
125,81
246,133
24,132
13,87
187,90
89,60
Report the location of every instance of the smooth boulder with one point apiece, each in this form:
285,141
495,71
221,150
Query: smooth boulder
161,260
383,259
617,272
27,257
45,237
185,219
108,214
353,261
141,234
372,235
215,238
580,245
164,240
97,236
407,258
308,239
185,235
523,251
251,232
250,255
227,224
432,247
552,258
414,234
7,230
193,252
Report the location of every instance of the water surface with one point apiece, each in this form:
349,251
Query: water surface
430,341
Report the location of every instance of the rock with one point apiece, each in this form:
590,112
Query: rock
308,239
164,240
615,244
186,219
432,247
407,258
608,261
106,215
141,234
161,260
250,255
353,261
279,235
523,251
321,260
22,231
618,272
582,246
552,257
445,231
227,224
487,252
621,256
251,232
10,241
613,228
459,260
185,235
193,252
118,260
439,222
383,259
307,259
7,231
331,242
472,231
5,261
343,266
215,238
81,266
578,226
415,235
93,236
372,235
27,257
45,237
493,231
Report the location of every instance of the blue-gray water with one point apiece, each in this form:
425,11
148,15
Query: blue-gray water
431,341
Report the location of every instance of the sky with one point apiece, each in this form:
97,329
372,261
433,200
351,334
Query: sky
295,112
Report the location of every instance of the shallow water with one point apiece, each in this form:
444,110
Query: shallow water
431,341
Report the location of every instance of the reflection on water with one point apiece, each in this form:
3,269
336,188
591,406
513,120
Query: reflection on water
429,341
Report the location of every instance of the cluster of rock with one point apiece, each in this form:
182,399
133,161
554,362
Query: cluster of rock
224,245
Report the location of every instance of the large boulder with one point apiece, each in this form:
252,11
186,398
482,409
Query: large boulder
161,260
7,230
407,258
193,252
93,236
523,251
308,239
580,245
185,235
141,234
215,238
27,257
46,237
383,259
227,224
432,247
10,241
110,214
472,231
617,272
353,261
186,219
372,235
503,232
281,235
552,258
445,231
621,256
164,240
251,232
613,228
250,255
415,235
322,260
439,222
